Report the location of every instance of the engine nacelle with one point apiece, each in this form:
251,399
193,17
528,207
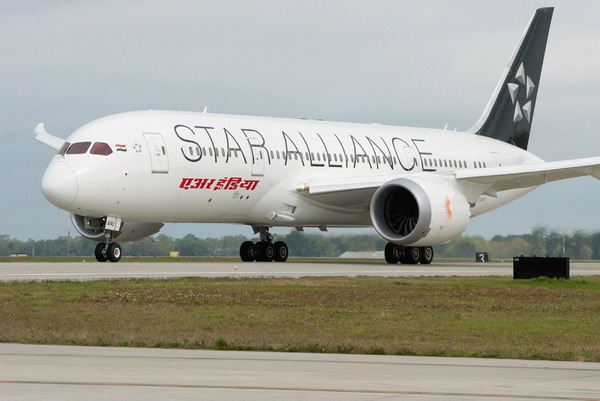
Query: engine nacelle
93,228
419,211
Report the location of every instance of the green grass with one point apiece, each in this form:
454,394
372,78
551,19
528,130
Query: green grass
438,316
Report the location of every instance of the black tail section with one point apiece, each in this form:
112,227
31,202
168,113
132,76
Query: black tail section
509,113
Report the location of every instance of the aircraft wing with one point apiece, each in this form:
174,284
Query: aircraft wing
49,140
356,192
489,181
346,192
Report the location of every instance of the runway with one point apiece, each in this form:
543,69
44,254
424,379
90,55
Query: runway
69,373
30,271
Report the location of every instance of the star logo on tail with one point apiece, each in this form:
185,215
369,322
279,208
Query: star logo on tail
525,82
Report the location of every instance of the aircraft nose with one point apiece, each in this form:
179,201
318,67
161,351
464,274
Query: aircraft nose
59,184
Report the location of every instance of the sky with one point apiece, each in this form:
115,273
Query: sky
409,63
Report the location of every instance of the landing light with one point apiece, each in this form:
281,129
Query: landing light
302,187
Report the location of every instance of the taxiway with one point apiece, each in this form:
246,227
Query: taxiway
30,271
69,373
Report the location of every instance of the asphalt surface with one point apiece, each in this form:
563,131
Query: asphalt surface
92,373
88,270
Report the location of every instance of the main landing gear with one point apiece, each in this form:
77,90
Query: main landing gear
108,250
264,250
409,255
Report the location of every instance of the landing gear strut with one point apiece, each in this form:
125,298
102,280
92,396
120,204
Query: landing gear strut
409,255
264,250
108,250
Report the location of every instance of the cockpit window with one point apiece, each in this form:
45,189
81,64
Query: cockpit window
78,148
101,148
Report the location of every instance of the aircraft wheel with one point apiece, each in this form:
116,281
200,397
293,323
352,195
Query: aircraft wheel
412,255
426,255
258,252
114,252
268,252
264,251
281,251
392,253
99,252
247,251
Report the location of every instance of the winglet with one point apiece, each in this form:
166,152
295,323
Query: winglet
44,137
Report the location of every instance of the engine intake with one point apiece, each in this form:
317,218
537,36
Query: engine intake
419,211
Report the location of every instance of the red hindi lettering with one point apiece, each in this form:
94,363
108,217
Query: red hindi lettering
209,182
220,184
185,183
249,185
233,183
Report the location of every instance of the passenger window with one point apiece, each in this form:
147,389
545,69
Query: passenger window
79,148
101,148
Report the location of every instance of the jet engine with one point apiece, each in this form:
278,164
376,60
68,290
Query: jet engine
93,228
420,211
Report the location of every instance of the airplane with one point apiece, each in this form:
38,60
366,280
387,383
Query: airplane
123,176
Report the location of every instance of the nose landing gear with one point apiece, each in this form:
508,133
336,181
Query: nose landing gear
111,252
108,250
264,250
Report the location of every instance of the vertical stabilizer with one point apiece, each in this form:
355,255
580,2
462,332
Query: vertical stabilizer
509,113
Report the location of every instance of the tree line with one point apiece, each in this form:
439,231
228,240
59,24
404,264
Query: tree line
541,241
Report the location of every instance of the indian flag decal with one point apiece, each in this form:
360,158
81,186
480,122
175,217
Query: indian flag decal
121,148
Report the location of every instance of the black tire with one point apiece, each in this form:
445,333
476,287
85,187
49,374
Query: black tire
412,255
258,252
268,252
426,255
281,251
247,251
98,252
392,254
114,252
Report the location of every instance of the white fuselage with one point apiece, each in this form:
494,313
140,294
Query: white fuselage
198,167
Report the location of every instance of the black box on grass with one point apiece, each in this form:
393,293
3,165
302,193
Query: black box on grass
525,267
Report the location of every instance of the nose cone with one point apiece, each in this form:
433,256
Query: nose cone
59,184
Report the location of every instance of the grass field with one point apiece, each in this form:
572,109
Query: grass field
444,316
